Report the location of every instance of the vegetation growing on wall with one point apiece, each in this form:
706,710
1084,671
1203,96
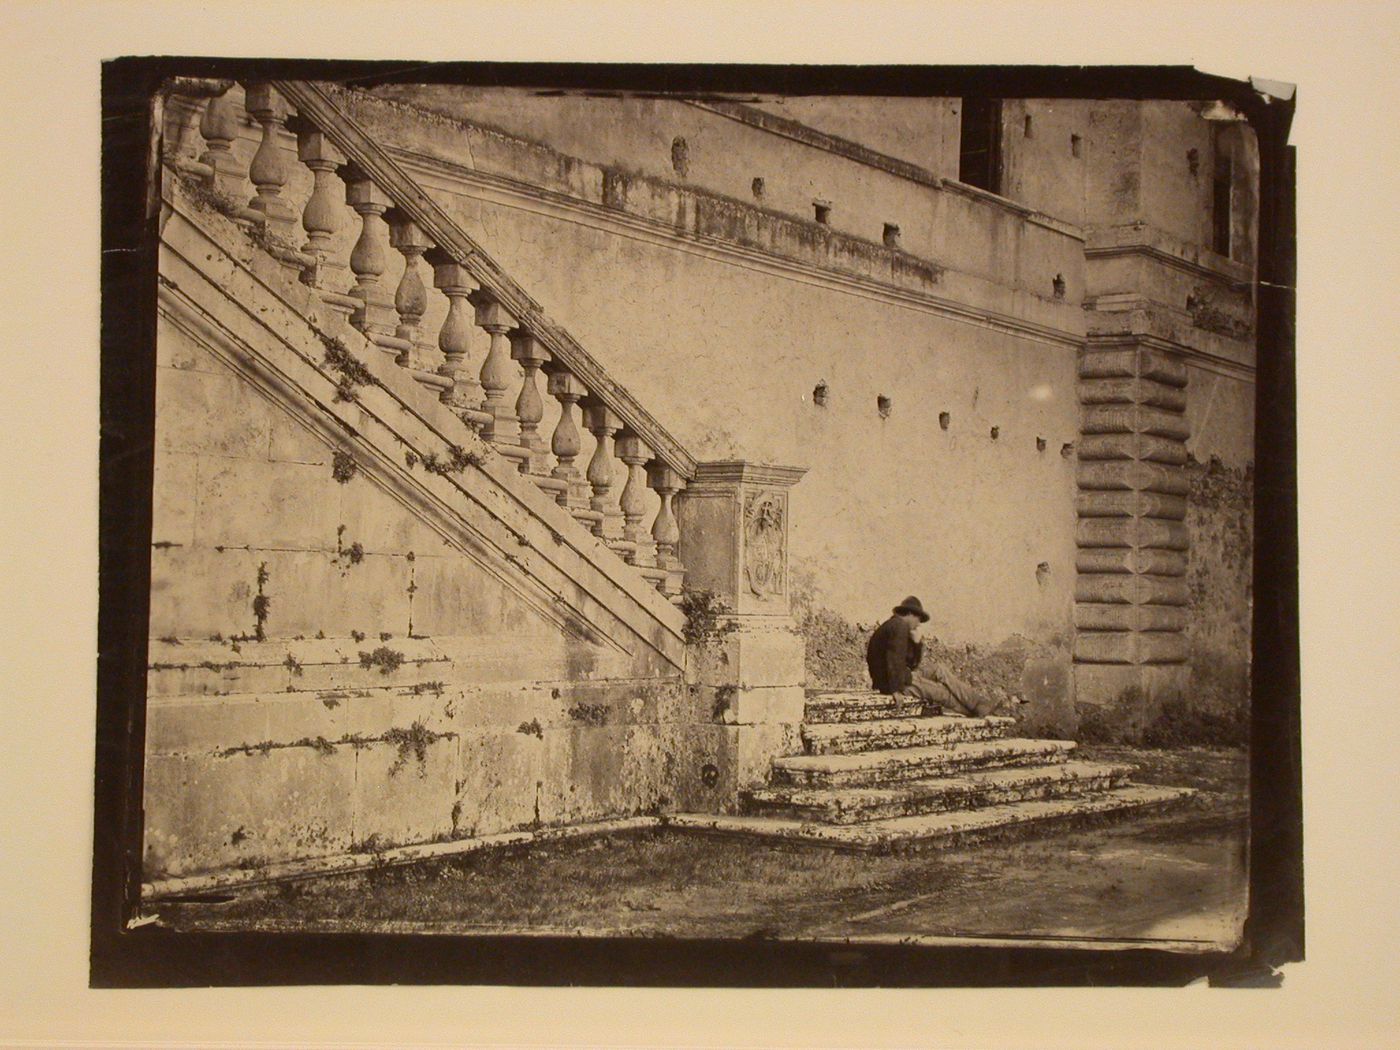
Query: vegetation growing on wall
206,197
707,617
590,714
350,372
262,606
724,699
412,743
456,461
387,660
1220,571
343,466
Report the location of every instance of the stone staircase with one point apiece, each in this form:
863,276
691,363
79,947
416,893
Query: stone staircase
335,210
871,780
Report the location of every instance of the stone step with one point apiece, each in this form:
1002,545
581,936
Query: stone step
932,829
880,768
985,787
843,738
850,706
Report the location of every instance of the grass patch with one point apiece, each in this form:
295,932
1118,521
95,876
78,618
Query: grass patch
1174,723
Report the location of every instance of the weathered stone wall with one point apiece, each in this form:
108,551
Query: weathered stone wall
929,384
1105,163
328,673
892,504
1220,520
1042,165
622,153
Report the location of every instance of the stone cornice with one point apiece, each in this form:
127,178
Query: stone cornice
1194,356
730,473
1140,238
515,193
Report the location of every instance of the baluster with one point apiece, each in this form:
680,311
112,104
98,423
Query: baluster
529,406
322,214
219,127
411,296
602,423
633,451
454,339
269,170
368,259
496,370
664,530
566,443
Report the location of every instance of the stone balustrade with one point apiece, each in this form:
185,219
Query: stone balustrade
378,288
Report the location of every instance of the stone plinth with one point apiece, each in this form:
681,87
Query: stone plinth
744,665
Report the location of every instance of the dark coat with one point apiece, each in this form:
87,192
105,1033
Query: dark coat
892,655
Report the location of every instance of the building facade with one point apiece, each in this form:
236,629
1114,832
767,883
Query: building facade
663,382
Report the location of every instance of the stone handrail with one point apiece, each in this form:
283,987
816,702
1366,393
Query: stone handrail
314,105
393,213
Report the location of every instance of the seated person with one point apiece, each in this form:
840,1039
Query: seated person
893,657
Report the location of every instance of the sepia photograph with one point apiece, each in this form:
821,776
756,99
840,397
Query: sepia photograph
813,511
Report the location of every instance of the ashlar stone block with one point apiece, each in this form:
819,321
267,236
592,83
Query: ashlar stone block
1130,647
1134,475
1131,532
172,503
499,780
201,725
212,413
265,504
757,652
1130,505
1131,560
404,787
1092,616
208,812
198,592
1132,589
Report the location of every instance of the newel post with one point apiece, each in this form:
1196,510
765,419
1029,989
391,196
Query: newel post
746,671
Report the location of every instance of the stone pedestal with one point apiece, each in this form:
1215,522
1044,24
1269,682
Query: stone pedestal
734,534
744,666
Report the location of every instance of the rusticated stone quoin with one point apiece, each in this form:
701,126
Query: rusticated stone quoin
1131,595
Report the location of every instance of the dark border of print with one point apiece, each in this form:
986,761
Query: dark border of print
124,955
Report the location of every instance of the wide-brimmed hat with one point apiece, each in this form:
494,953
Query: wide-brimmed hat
912,605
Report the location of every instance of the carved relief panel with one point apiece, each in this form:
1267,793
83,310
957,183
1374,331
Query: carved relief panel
765,539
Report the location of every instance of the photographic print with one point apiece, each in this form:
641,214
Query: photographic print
816,513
